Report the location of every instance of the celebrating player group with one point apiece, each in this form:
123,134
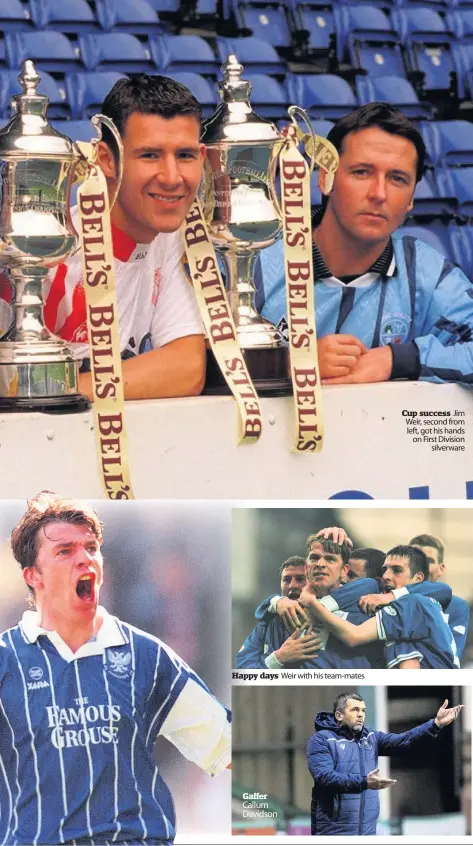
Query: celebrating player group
360,608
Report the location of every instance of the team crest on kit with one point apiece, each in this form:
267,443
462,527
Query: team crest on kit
118,664
395,329
35,673
391,611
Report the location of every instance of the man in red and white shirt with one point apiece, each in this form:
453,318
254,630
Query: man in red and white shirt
161,333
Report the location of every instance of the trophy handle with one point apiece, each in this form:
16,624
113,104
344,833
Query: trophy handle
97,120
296,111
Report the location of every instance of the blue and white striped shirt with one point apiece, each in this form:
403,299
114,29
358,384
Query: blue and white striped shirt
77,732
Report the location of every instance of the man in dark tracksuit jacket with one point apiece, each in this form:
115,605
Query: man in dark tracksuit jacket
343,758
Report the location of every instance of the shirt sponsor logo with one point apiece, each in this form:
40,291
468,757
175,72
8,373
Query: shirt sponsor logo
86,725
395,329
35,673
118,664
37,685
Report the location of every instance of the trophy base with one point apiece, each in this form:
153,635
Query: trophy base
49,405
267,366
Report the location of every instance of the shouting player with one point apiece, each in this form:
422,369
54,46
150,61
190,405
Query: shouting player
84,696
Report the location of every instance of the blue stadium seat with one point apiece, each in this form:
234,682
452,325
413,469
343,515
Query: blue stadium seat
268,97
318,22
322,127
460,22
68,17
255,55
206,7
315,195
134,16
268,22
9,85
3,55
436,235
76,130
323,95
202,90
457,183
50,51
395,90
176,53
14,16
449,143
428,199
164,6
360,23
429,46
461,240
87,91
115,51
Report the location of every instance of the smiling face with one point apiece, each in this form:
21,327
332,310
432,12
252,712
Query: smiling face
163,162
67,574
325,570
293,580
374,185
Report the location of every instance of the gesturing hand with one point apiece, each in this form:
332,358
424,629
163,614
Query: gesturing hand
298,648
375,782
446,715
336,534
370,603
291,613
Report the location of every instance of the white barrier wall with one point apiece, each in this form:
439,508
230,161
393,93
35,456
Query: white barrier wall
405,440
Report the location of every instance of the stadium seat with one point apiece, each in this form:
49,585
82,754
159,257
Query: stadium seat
164,6
76,130
360,24
255,55
437,236
457,183
50,51
322,127
176,53
9,86
3,55
268,22
202,90
449,143
460,22
318,23
115,51
268,97
461,240
429,47
87,91
395,90
315,195
133,16
323,95
14,16
68,17
428,201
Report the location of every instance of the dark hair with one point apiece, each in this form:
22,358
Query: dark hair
386,117
343,549
429,540
294,561
341,701
148,95
374,559
418,562
43,509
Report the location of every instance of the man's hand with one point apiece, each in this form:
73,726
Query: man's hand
291,613
375,782
339,355
298,648
375,366
336,534
370,603
446,715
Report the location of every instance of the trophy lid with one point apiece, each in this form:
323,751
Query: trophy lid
234,119
28,134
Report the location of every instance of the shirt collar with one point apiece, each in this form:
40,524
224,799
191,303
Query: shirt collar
110,634
385,264
126,248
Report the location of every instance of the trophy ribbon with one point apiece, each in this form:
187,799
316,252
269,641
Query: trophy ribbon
102,322
297,235
219,324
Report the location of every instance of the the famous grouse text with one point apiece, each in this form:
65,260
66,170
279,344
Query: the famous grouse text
84,724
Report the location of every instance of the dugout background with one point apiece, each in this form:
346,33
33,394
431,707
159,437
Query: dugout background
262,538
166,571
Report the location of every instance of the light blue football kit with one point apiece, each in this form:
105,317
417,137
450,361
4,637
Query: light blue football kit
77,732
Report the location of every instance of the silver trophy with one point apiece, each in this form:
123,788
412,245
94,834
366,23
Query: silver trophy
37,370
242,212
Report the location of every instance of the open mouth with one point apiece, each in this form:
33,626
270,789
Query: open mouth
169,200
85,587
